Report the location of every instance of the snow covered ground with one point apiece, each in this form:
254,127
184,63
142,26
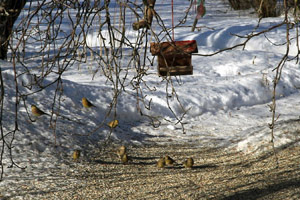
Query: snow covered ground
227,95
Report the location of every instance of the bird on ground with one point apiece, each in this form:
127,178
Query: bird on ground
188,163
121,151
86,103
161,163
124,158
169,161
36,111
76,155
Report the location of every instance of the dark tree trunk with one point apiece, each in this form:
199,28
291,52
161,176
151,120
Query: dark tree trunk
240,4
9,12
265,8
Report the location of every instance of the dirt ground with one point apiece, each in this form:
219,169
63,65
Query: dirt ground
217,174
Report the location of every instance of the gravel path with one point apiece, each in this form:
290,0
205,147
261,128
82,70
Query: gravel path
218,174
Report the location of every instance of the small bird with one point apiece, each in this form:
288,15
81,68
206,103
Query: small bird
36,111
76,155
113,124
169,161
188,163
124,159
121,151
86,103
161,163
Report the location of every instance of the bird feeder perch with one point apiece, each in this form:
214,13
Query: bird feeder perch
174,58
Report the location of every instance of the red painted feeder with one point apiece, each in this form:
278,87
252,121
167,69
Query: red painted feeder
174,58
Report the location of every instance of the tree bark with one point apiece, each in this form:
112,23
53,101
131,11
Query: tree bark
9,12
265,8
194,24
240,4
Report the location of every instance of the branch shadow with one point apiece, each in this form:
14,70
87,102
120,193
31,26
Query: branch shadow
256,193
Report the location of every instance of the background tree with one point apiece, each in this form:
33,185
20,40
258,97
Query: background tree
265,8
9,12
240,4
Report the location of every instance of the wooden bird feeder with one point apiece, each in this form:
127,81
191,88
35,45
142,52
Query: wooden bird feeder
174,58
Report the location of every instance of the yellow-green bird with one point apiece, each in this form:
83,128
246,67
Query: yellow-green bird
36,111
188,163
76,155
161,163
86,103
124,159
169,161
113,124
121,151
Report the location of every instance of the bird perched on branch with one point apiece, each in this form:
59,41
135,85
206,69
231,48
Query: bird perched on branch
169,161
161,163
188,163
36,111
121,151
76,155
86,103
113,124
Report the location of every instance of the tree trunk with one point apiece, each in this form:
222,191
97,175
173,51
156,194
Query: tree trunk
240,4
265,8
194,24
9,12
